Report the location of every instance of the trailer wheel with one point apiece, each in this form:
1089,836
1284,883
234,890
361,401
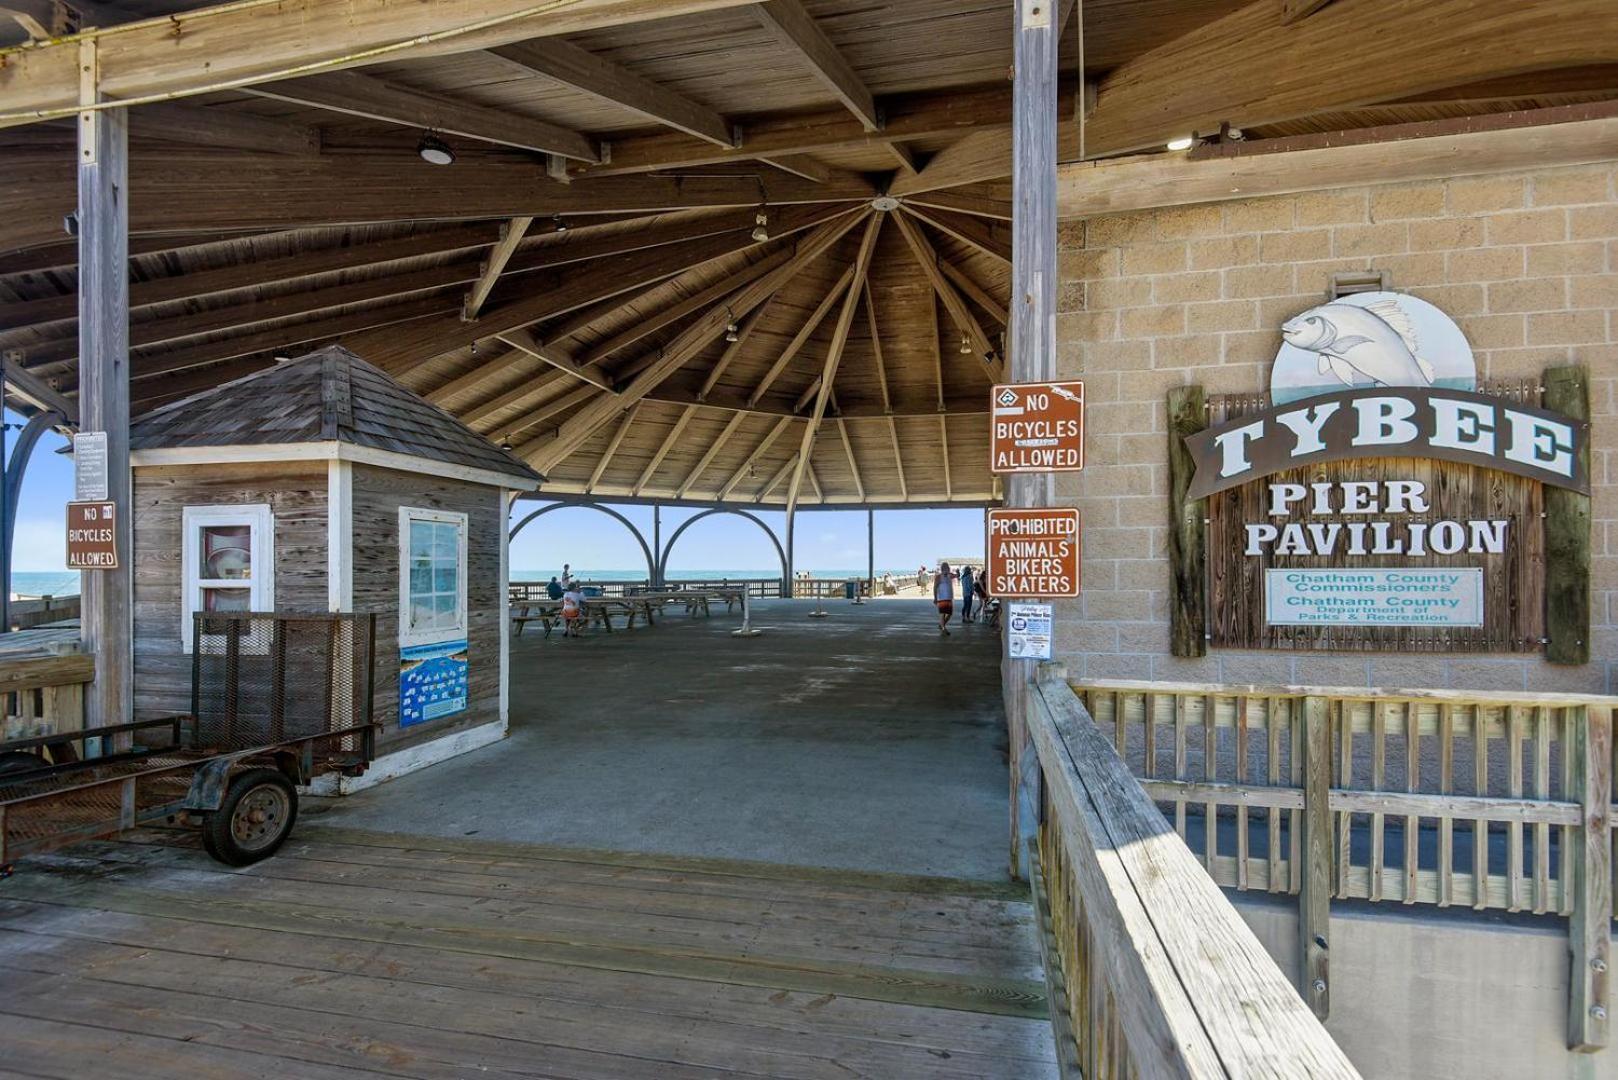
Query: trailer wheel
256,816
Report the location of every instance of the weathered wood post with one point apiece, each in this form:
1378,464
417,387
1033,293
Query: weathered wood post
1033,322
103,223
1589,929
1314,891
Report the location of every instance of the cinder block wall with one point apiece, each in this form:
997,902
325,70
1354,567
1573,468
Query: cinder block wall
1527,264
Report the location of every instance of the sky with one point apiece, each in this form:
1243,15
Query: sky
827,540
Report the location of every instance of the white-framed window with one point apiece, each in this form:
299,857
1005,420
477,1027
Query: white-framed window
432,576
228,561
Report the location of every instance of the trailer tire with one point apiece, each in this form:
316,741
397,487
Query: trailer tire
253,820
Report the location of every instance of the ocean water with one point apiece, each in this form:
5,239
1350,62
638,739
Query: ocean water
45,583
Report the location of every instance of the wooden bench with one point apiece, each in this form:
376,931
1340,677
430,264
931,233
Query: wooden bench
597,609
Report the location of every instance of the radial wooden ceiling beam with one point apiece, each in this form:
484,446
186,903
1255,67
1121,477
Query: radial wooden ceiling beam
984,299
943,442
1226,70
511,234
699,336
525,390
722,440
554,407
834,354
982,236
501,363
353,94
898,457
548,352
566,63
810,325
876,348
800,165
617,440
240,44
788,467
751,461
734,348
664,447
673,313
853,462
797,30
958,311
903,157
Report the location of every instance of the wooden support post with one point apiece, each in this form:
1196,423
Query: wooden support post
1188,539
1033,321
1567,534
103,222
1589,928
1314,893
870,551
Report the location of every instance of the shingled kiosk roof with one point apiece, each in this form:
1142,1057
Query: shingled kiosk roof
329,395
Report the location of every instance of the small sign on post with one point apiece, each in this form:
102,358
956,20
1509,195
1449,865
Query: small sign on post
1033,553
90,465
92,536
1037,427
1028,631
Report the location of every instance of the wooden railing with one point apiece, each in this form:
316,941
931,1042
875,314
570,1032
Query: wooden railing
827,588
44,609
1440,798
42,679
1153,972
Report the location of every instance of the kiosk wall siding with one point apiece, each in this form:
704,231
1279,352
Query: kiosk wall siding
1526,263
378,494
296,494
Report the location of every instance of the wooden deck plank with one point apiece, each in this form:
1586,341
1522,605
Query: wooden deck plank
346,956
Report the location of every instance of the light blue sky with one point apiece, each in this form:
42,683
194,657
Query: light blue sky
827,540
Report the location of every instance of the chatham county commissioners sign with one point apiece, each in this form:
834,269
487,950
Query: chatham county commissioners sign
1378,497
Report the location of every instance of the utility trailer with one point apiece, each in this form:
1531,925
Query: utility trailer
276,700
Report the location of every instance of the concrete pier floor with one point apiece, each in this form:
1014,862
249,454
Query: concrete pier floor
861,741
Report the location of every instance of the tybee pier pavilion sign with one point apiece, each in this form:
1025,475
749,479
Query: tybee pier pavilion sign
1377,497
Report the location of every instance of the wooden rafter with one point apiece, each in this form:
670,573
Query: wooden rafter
903,157
566,63
524,390
853,462
720,442
759,451
617,440
977,293
898,458
673,313
243,44
982,236
800,165
223,129
958,311
554,407
834,354
664,447
511,234
744,330
499,364
943,442
698,337
788,468
876,348
793,347
1223,70
353,94
796,29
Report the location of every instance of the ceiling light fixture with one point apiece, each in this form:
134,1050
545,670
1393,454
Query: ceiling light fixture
761,222
966,346
1182,142
435,151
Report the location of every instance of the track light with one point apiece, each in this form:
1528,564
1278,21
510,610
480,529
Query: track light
761,222
731,334
434,150
1183,142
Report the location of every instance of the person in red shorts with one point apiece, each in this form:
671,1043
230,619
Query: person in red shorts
572,610
944,596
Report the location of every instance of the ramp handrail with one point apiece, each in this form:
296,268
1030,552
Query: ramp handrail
1154,972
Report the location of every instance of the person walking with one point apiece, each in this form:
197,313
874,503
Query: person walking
944,597
966,594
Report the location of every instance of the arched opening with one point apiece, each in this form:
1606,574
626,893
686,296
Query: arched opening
645,548
780,552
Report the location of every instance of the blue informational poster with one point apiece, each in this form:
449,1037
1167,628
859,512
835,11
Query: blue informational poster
432,682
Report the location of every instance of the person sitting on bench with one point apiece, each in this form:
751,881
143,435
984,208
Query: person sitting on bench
573,611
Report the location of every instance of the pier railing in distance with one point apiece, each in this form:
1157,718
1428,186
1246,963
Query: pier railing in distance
1153,972
1445,799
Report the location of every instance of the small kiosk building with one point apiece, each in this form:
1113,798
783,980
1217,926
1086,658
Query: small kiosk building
321,484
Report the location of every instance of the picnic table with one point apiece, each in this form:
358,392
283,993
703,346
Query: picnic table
695,599
597,609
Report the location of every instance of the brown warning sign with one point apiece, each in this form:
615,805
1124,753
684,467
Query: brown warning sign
1033,553
92,533
1037,427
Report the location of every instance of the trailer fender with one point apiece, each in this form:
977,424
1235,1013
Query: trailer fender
208,784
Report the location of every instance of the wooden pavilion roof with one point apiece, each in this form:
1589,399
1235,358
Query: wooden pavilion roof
568,287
